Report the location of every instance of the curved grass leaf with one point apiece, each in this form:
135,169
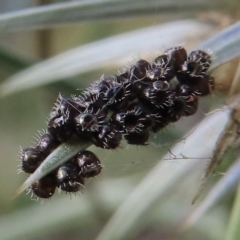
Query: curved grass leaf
104,53
120,226
224,186
41,219
91,10
226,140
233,231
224,46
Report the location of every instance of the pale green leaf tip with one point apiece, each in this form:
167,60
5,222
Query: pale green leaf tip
60,155
32,179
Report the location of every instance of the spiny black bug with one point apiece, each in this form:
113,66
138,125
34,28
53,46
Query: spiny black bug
163,67
31,158
88,163
130,84
199,59
178,55
198,62
155,93
107,137
87,121
137,138
65,109
68,178
202,84
133,119
60,129
191,105
139,70
45,187
47,143
113,91
191,99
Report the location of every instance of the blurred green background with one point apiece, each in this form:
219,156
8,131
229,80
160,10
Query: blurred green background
25,112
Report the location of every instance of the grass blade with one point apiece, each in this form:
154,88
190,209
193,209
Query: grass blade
35,221
225,45
233,231
225,185
93,56
91,10
119,226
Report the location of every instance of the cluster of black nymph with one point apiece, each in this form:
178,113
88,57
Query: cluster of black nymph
146,97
